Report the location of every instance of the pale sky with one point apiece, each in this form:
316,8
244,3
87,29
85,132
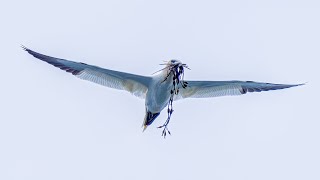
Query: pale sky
55,126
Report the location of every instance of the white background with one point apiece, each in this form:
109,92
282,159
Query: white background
55,126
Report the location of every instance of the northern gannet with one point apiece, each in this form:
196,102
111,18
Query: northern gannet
161,89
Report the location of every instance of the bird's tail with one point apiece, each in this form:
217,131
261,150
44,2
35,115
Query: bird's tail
149,118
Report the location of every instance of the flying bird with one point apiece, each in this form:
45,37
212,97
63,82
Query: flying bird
162,88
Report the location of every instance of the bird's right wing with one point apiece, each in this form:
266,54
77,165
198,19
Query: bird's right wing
205,89
135,84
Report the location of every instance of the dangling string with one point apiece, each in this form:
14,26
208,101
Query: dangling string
178,75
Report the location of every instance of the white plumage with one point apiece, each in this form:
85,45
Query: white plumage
156,89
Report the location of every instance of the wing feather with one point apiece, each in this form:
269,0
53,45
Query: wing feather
205,89
135,84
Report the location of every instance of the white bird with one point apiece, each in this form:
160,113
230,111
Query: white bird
160,89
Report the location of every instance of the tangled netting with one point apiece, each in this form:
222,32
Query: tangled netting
178,76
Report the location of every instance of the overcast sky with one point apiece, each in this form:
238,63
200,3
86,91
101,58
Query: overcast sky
55,126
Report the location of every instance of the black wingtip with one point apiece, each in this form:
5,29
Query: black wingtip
295,85
23,47
35,54
26,49
246,89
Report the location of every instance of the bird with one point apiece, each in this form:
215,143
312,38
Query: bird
161,88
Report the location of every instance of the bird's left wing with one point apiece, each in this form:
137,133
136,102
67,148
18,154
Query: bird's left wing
135,84
205,89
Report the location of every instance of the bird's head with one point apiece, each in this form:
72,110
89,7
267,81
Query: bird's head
174,62
176,65
171,66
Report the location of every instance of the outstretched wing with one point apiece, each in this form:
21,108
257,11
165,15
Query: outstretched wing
205,89
135,84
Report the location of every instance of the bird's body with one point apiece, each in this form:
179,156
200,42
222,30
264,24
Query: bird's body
158,92
160,89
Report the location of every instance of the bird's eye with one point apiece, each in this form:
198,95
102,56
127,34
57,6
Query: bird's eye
173,61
